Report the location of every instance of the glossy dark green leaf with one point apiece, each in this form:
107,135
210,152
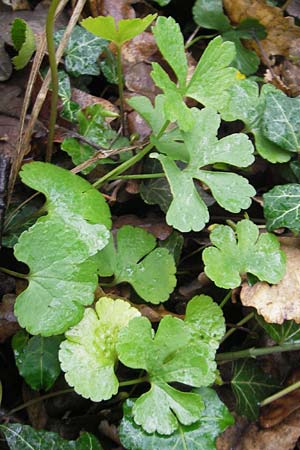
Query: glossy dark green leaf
23,437
82,52
37,359
209,14
251,385
282,207
288,331
246,61
215,418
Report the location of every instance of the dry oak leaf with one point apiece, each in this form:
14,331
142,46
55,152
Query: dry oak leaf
280,301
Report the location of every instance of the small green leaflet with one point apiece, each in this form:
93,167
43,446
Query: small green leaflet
282,207
215,418
180,351
209,82
136,260
210,15
288,331
246,251
70,108
126,29
88,356
246,103
162,2
82,52
37,359
23,437
24,42
200,147
281,121
57,248
251,385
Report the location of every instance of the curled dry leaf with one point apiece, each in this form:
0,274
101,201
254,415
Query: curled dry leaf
121,9
84,99
151,223
280,301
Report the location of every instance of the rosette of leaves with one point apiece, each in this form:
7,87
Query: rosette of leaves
88,356
242,251
210,15
180,351
211,78
58,248
134,259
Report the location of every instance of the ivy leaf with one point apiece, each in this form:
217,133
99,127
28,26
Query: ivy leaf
23,437
247,104
215,418
234,254
288,331
89,352
70,108
23,41
282,207
281,121
37,359
82,52
105,27
251,385
57,249
179,352
187,210
151,271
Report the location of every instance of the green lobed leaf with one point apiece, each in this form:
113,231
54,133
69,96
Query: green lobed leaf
215,418
23,437
246,251
281,120
288,331
200,147
23,41
282,207
57,249
179,352
209,14
126,29
37,359
251,385
88,356
136,260
82,52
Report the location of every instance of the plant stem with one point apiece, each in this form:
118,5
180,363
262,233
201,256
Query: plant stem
127,164
39,399
121,87
254,352
225,299
54,75
134,381
239,324
142,176
13,273
280,394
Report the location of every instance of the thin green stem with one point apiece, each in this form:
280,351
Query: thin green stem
225,299
13,273
134,381
142,176
239,324
121,87
254,352
39,399
54,75
280,394
130,162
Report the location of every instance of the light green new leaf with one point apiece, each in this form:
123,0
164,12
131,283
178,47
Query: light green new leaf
151,271
281,121
215,418
23,437
37,359
200,147
288,331
246,251
82,52
23,41
179,352
126,29
57,249
282,207
88,356
209,14
251,385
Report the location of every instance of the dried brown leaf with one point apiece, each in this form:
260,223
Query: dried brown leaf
8,322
